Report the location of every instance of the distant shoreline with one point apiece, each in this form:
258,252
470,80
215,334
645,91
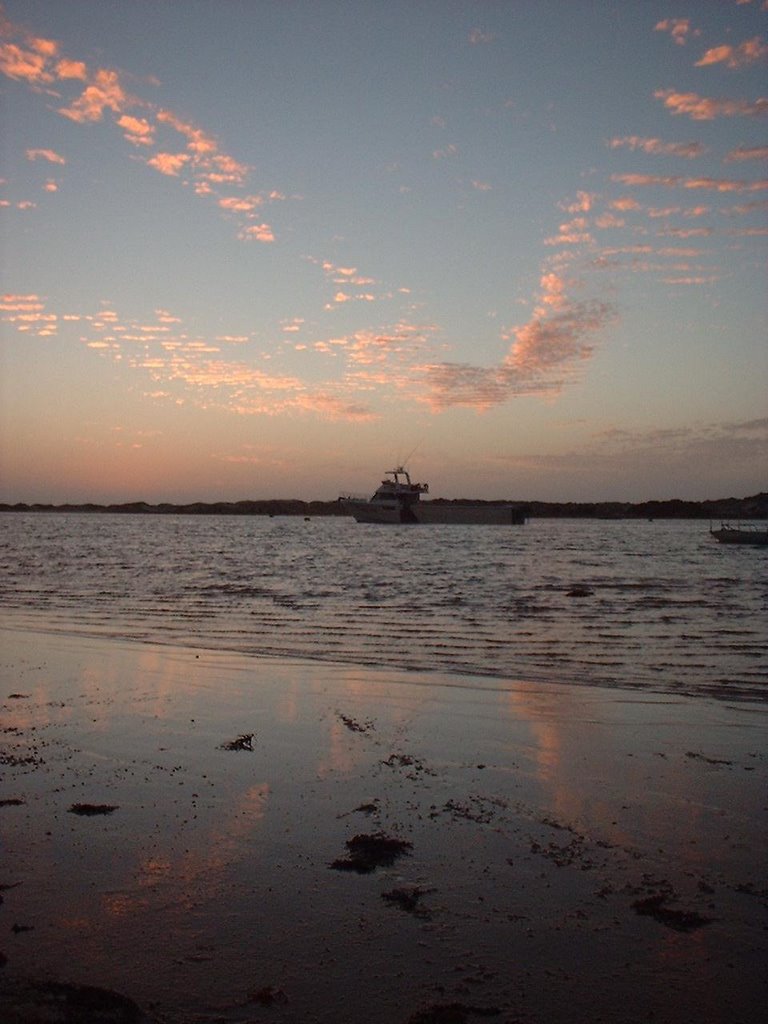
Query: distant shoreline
755,507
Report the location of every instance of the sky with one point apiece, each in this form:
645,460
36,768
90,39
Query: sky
273,248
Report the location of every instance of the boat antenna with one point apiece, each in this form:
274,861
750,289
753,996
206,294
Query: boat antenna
410,454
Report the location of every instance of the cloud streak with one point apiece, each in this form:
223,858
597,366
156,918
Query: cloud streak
742,153
741,56
45,154
689,150
706,108
544,354
675,181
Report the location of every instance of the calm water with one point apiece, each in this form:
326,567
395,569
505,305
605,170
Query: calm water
659,604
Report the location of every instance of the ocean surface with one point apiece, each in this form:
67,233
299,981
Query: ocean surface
630,604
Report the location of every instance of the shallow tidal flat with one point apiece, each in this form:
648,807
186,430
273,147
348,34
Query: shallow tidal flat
206,836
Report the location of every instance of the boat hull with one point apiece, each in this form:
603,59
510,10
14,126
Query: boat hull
365,512
732,535
429,513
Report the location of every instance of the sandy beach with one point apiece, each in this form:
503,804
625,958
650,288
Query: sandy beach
192,836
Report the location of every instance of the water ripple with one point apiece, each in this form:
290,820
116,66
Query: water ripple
624,603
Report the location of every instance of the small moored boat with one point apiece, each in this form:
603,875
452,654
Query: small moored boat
747,534
398,500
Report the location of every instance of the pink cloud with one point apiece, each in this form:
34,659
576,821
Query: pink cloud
137,130
45,154
25,64
690,150
293,325
258,233
103,92
678,28
740,56
541,358
27,314
757,205
243,204
197,140
676,181
369,348
609,220
334,408
693,280
625,203
552,290
747,153
677,251
685,232
628,249
583,203
346,277
543,343
47,47
11,303
227,169
168,163
71,69
721,185
460,384
703,108
573,233
210,166
647,179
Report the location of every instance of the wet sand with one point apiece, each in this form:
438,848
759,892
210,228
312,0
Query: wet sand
205,837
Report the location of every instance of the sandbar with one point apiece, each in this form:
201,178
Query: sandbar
192,836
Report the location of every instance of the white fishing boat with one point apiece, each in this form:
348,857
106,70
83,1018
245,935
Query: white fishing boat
398,500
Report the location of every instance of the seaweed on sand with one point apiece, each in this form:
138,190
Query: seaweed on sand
408,898
89,810
242,742
368,852
679,920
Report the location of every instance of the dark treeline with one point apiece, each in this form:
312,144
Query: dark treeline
755,507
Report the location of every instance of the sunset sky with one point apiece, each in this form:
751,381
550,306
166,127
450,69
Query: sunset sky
269,248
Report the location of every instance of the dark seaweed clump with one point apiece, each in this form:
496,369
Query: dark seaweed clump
88,810
368,852
243,742
679,920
